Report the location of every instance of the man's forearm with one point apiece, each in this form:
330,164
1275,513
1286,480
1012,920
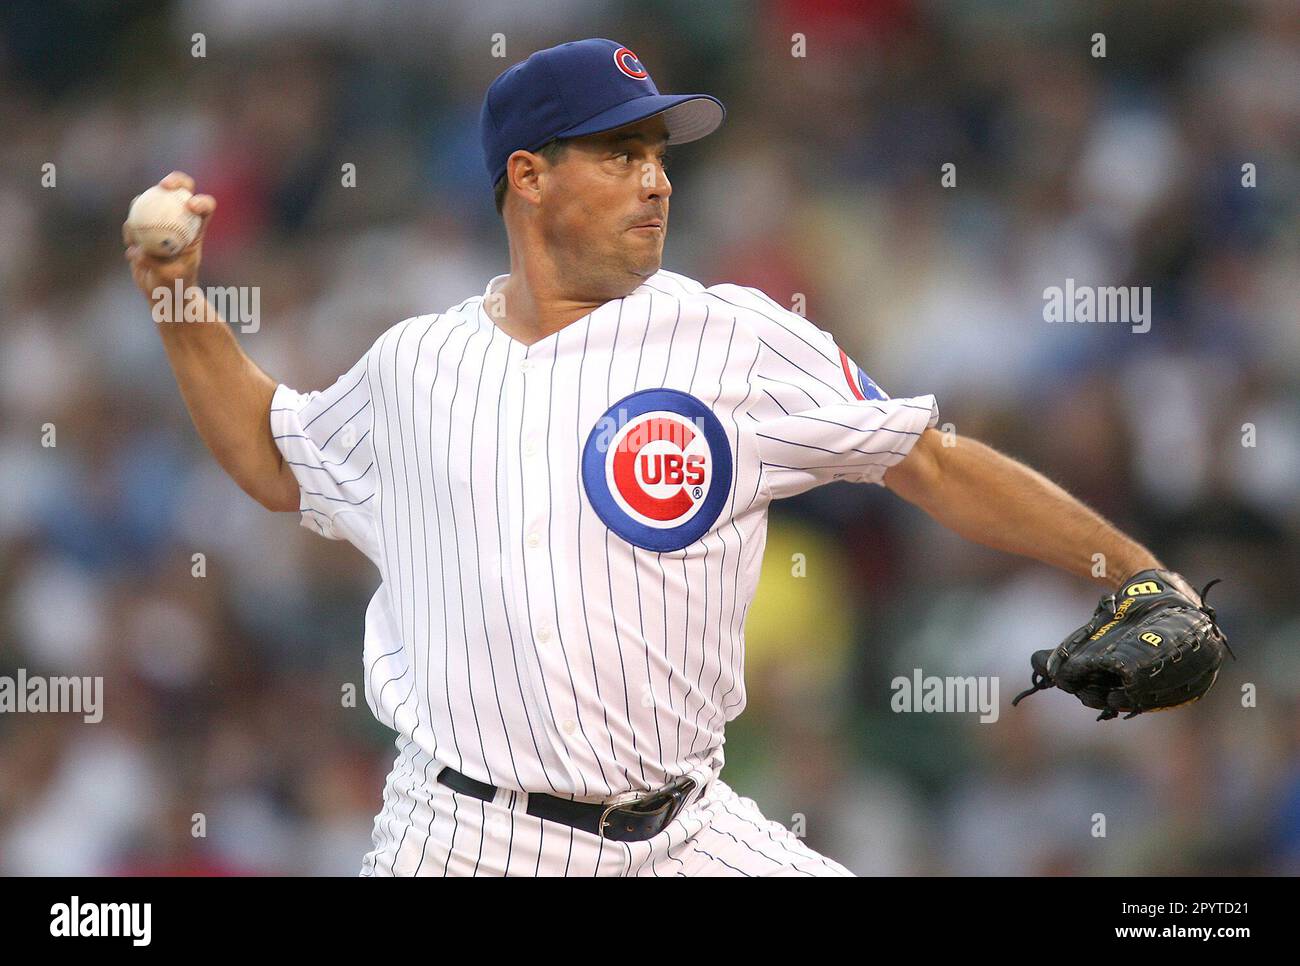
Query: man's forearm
992,499
229,399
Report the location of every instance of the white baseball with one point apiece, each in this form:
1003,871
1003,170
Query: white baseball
160,223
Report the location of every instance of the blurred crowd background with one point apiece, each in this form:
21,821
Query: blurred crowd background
223,693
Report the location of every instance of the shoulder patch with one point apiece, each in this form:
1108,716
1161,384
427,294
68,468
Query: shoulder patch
860,384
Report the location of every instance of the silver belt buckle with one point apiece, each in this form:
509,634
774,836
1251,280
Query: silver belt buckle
678,796
617,802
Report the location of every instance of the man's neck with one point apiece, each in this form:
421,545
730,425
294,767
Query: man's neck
529,312
529,316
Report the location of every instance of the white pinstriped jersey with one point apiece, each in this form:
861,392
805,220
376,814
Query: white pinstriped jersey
569,534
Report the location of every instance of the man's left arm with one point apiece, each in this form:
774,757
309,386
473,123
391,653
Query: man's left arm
992,499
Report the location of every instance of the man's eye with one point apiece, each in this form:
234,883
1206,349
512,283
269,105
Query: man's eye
663,160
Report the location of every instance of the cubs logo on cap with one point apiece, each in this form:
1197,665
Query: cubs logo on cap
657,469
630,64
860,384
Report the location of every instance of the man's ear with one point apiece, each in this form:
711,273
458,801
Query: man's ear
523,172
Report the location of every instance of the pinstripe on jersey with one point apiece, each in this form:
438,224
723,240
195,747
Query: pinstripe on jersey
516,637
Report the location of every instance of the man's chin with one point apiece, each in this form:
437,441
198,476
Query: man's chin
646,267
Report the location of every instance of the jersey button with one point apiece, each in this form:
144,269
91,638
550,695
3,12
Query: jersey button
544,635
525,365
570,726
530,448
534,540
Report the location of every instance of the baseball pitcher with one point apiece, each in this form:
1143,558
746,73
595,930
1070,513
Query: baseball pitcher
564,483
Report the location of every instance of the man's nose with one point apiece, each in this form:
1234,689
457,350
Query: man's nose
654,182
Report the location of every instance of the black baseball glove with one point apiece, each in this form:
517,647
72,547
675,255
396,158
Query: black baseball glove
1153,645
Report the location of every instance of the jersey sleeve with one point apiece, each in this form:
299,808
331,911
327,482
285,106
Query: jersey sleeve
325,437
817,416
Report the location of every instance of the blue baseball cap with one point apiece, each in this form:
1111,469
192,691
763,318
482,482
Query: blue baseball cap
582,87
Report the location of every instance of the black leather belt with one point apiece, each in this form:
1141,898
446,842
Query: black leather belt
633,821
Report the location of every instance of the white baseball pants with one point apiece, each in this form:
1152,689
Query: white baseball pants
425,828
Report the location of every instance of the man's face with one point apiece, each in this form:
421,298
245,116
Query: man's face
604,207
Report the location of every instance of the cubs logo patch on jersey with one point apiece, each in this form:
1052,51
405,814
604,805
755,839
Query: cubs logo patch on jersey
657,468
861,384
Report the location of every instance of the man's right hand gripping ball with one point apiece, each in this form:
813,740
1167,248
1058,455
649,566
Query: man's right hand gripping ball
154,272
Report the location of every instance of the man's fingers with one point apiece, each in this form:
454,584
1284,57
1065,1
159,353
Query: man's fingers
202,205
157,264
178,179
